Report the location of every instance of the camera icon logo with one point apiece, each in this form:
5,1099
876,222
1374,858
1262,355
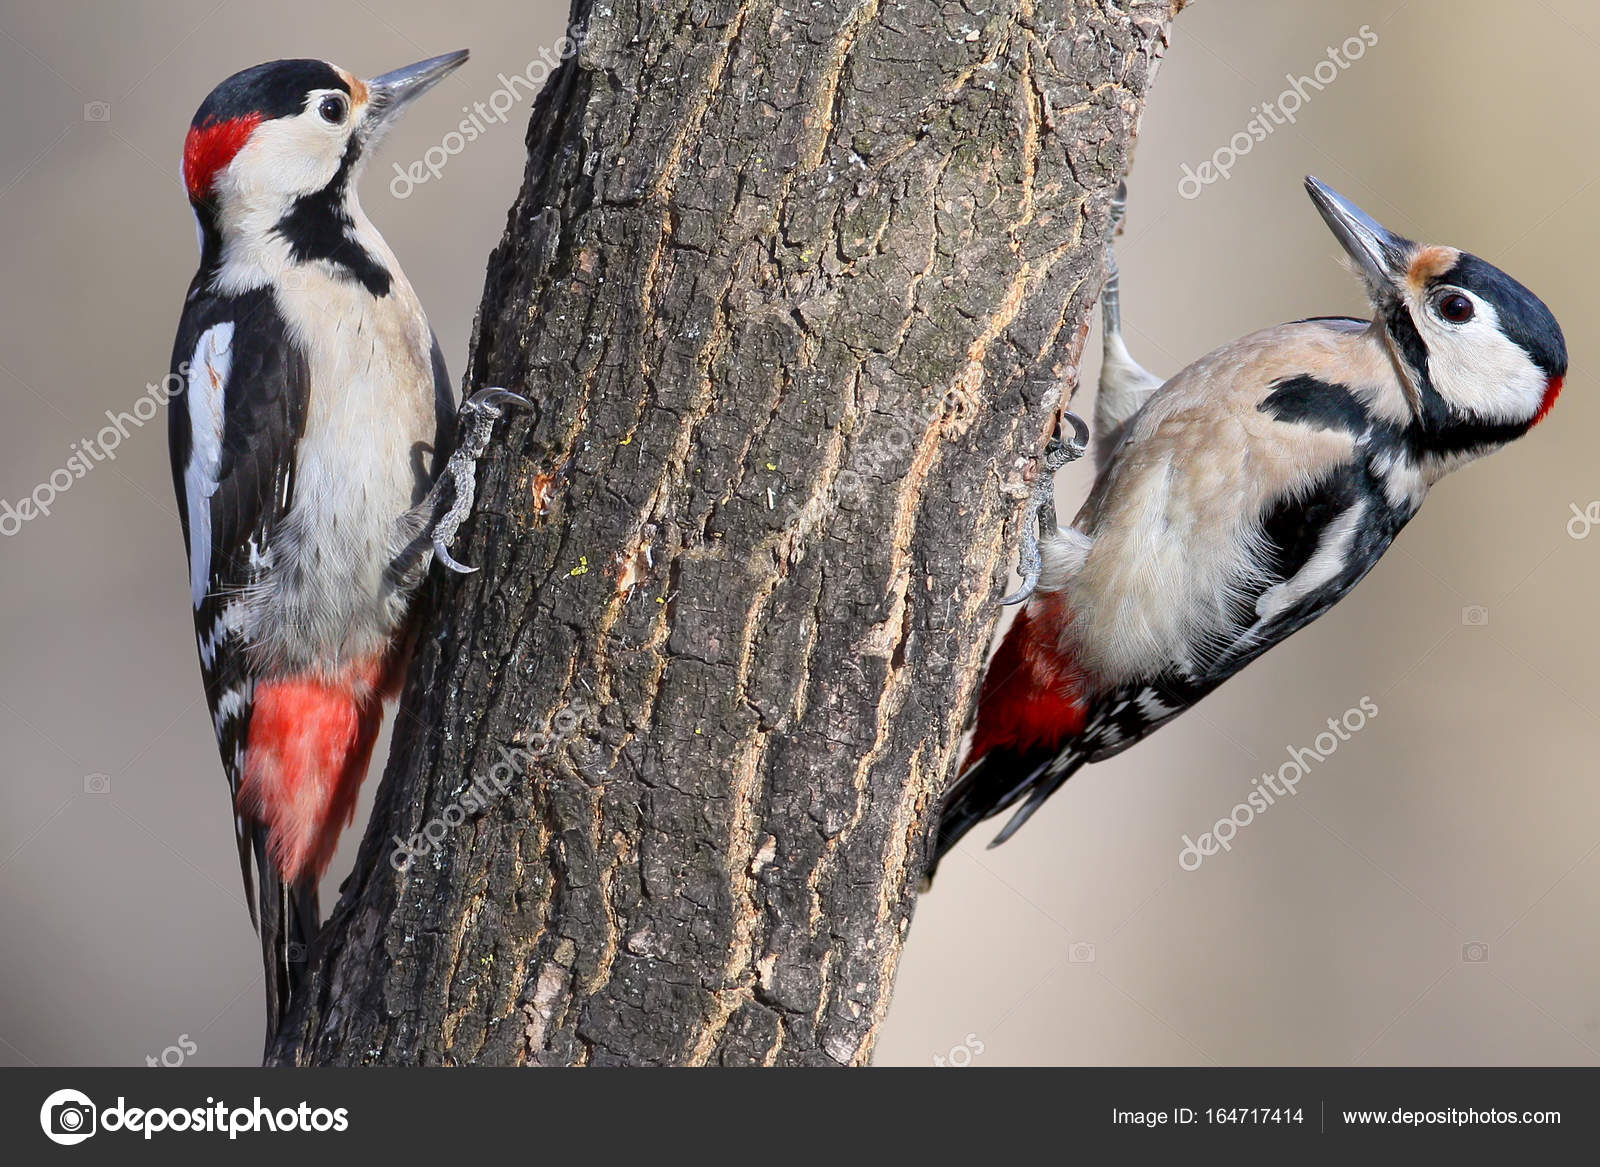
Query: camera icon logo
97,111
68,1117
1081,953
97,784
1474,952
295,952
1474,615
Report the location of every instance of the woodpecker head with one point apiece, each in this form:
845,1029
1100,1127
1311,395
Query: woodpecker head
287,138
1480,358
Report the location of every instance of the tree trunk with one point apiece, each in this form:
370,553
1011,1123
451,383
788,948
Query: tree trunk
796,292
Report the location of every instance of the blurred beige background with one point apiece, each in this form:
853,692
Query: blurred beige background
1427,896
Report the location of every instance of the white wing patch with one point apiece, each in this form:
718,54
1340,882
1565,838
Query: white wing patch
1325,564
208,379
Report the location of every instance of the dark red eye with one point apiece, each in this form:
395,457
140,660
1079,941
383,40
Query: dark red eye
1455,307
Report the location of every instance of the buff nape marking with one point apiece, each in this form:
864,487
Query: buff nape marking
358,88
1428,263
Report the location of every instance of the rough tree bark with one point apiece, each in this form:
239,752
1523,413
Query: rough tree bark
796,291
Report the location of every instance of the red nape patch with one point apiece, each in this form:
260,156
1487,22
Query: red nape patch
1033,696
210,147
1552,390
309,744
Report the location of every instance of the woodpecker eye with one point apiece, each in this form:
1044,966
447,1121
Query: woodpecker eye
332,109
1455,307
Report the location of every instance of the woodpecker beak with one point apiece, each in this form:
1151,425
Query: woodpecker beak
1380,255
395,90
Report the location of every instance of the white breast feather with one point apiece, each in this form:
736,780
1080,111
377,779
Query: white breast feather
324,602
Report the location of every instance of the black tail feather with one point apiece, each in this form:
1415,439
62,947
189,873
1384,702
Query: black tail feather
994,783
288,920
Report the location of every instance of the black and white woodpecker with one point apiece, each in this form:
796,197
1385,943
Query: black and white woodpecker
1240,500
306,454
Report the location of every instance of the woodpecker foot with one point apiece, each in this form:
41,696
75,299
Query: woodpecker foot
1040,518
478,415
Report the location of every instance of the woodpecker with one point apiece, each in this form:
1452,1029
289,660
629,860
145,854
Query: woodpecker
1240,500
306,451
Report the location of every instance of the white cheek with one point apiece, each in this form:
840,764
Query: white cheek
284,159
1477,369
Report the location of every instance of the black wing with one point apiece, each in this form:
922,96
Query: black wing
1320,544
247,391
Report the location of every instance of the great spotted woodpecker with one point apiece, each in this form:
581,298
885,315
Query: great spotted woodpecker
306,454
1240,500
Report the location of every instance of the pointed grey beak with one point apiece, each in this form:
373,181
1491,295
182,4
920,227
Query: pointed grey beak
1379,254
393,91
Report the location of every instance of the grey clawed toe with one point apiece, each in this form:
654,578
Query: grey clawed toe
1039,521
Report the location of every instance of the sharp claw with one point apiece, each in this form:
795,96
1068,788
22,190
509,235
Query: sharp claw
496,396
462,467
1079,444
1040,519
1030,582
448,561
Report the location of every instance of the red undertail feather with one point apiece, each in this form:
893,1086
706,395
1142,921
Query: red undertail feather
1033,696
310,741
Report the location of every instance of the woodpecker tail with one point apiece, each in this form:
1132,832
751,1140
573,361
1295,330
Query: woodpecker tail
996,782
1029,713
288,921
310,742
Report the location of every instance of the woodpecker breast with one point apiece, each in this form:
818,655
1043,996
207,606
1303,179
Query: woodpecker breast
1176,523
366,456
